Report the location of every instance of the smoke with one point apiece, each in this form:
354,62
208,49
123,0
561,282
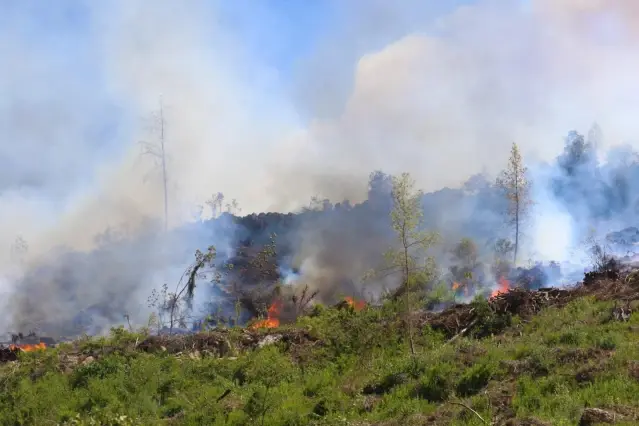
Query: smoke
71,292
334,250
438,91
68,291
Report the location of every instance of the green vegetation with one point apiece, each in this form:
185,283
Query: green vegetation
337,366
410,258
527,358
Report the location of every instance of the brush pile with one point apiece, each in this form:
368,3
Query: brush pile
620,284
8,354
611,283
458,320
218,342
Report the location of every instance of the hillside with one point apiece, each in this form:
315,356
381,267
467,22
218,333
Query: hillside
330,246
355,213
556,357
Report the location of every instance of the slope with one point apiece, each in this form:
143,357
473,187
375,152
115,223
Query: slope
556,357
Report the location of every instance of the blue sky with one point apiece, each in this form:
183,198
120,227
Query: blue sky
82,74
56,68
284,33
279,31
313,46
274,32
64,71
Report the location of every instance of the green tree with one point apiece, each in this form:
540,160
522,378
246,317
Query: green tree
409,258
466,253
578,153
516,187
502,250
177,304
466,256
267,369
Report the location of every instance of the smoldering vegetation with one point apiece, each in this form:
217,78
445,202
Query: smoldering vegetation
328,247
69,291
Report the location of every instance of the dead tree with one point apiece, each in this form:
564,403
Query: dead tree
157,150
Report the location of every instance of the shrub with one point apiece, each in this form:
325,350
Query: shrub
475,379
436,384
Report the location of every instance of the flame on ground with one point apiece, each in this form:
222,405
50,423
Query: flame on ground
357,305
272,317
504,287
28,348
456,286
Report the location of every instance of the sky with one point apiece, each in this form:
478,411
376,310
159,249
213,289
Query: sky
274,101
58,64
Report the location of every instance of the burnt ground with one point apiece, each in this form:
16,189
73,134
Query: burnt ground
218,343
455,321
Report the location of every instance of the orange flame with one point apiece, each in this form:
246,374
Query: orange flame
357,305
272,314
28,348
504,287
456,286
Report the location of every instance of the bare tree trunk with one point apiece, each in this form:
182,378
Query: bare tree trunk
164,178
409,318
171,315
516,222
516,238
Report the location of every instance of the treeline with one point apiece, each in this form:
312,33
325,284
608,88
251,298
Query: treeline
331,246
491,218
251,278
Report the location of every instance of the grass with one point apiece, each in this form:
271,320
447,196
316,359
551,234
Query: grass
355,370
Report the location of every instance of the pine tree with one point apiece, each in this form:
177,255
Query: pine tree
514,182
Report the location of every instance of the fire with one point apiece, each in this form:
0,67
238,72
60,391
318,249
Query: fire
504,286
28,348
272,314
465,287
357,305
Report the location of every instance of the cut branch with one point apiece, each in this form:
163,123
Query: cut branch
461,404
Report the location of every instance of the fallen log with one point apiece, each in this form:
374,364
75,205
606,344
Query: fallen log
8,355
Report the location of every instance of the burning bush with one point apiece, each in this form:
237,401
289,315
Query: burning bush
272,317
28,347
357,305
504,286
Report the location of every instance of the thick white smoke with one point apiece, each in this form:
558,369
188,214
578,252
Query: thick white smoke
401,86
440,96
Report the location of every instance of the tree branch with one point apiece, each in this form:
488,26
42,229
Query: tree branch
461,404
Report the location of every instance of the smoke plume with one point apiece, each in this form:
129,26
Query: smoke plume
437,91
